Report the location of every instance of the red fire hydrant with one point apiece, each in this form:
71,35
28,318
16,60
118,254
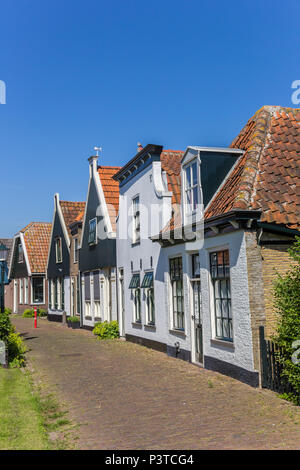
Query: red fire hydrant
35,317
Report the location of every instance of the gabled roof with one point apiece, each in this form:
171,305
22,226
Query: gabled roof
111,191
171,164
8,242
267,177
37,239
71,211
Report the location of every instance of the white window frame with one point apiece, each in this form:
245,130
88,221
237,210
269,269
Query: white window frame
94,242
20,258
212,294
149,321
137,319
21,292
173,322
26,296
56,250
31,284
136,226
189,206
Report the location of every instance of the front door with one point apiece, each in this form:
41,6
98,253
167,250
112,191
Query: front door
197,318
197,340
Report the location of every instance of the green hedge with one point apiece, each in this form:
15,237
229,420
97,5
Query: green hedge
106,330
287,304
29,313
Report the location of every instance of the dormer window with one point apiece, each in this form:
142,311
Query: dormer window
93,232
191,186
58,250
20,253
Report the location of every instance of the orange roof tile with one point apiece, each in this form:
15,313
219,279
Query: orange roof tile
71,210
37,239
171,164
111,191
267,177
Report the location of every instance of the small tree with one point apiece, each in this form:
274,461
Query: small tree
287,304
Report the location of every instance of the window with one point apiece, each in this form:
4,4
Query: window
21,291
92,232
20,253
76,252
135,286
196,287
60,293
87,295
136,219
220,275
137,305
148,285
191,186
58,250
37,290
26,291
97,305
177,293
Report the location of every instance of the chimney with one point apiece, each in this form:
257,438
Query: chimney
139,147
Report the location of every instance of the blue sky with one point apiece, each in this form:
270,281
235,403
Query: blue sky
91,73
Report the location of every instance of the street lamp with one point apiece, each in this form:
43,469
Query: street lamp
3,257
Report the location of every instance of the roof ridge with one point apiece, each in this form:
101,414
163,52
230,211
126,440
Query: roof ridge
253,154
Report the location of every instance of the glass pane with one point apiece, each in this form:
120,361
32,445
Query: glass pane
219,331
223,289
218,308
226,329
195,198
195,176
188,177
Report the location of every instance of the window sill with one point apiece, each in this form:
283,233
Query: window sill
150,327
220,342
178,332
137,324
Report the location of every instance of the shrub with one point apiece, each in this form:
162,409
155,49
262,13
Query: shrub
16,350
73,319
7,310
5,326
106,330
287,304
29,313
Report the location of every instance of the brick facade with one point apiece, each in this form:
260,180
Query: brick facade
263,264
275,259
256,291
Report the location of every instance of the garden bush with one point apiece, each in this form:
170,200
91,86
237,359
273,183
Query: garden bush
287,304
73,319
106,330
29,313
7,310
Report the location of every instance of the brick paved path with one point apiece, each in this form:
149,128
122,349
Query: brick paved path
129,397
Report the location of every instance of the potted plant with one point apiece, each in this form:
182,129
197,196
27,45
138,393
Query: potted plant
73,322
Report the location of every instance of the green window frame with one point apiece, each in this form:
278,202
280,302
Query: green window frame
220,277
